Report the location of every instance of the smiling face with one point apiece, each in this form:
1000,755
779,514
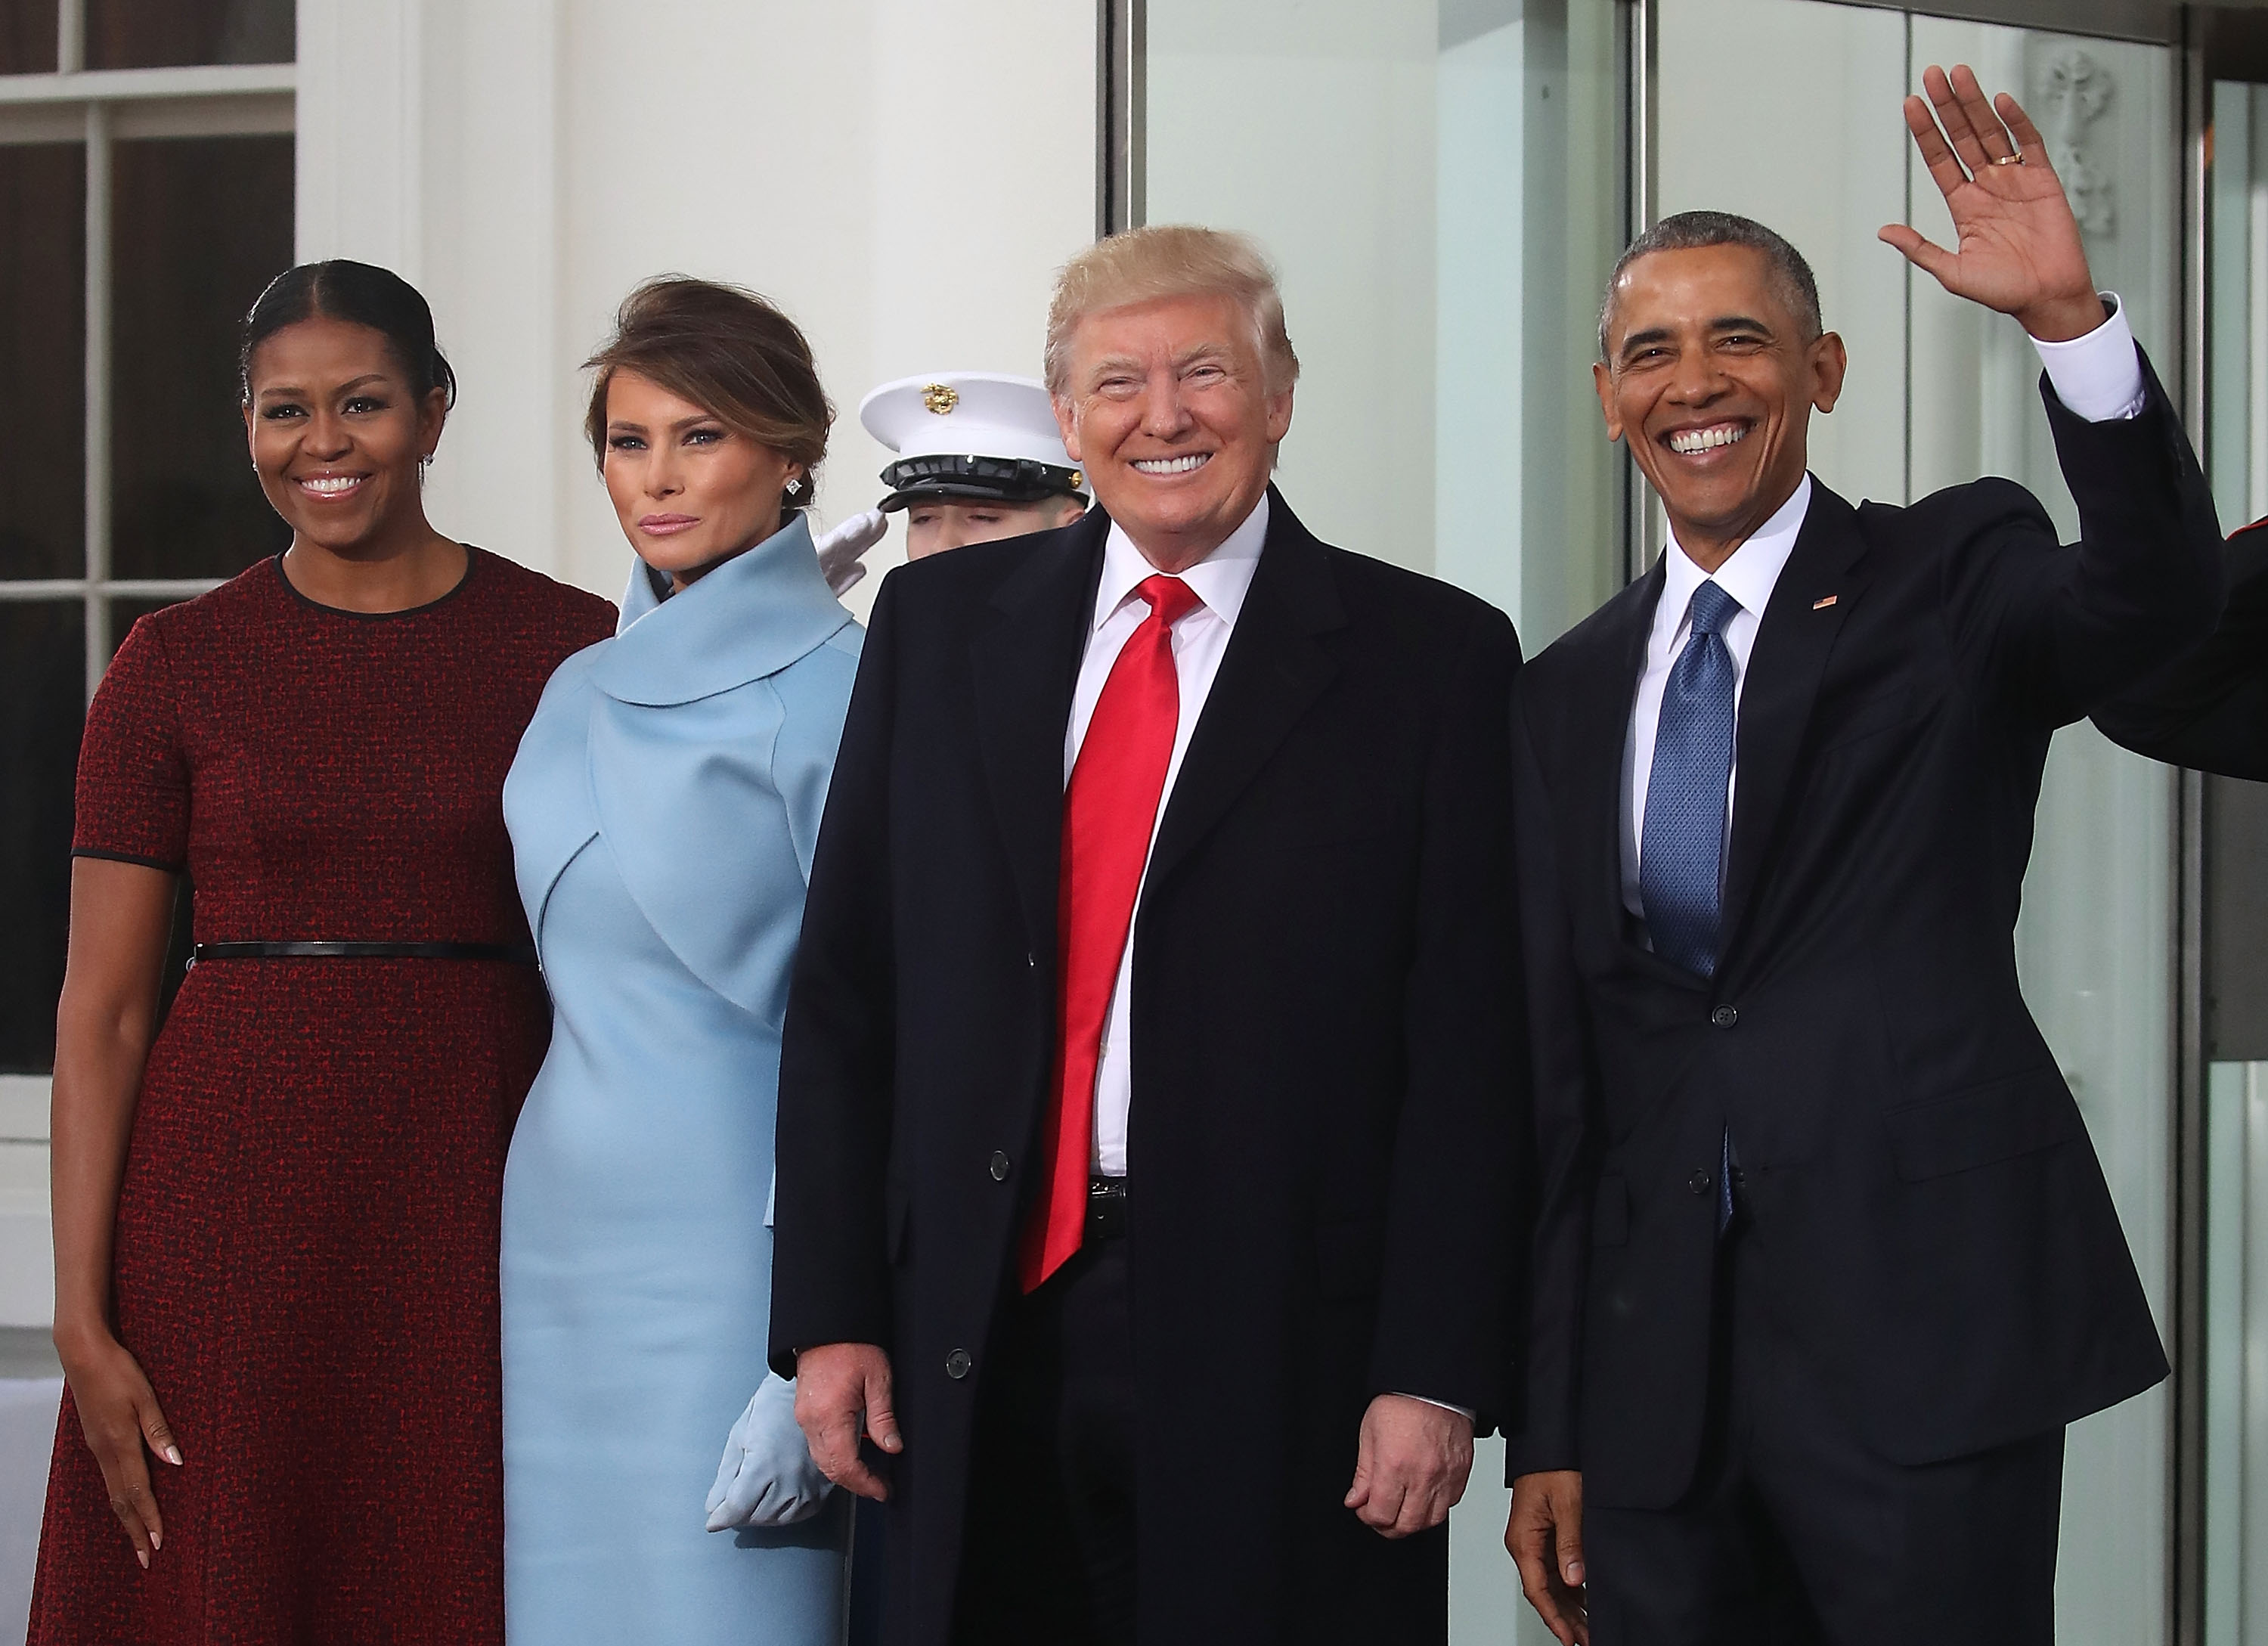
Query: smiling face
936,525
1168,412
690,491
1709,377
336,434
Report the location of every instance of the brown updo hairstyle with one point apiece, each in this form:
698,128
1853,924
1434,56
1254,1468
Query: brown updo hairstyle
729,352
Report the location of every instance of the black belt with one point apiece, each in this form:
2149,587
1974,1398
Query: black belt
1106,1207
519,954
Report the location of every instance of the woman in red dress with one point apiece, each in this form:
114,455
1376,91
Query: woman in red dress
276,1218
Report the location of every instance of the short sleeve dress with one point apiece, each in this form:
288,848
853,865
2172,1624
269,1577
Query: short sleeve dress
308,1230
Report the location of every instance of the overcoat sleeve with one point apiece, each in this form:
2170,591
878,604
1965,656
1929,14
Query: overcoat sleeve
2059,630
1564,1138
2210,709
831,1269
1446,1305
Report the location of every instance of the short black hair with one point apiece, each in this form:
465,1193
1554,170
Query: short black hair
1692,231
361,294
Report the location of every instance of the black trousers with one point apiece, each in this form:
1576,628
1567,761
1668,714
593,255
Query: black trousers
1795,1534
1047,1557
869,1570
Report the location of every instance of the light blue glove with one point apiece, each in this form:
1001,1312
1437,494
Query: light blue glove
767,1478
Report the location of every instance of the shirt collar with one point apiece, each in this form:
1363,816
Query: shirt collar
1220,580
1750,573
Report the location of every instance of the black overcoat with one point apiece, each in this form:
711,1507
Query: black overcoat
1932,1225
2209,709
1328,1097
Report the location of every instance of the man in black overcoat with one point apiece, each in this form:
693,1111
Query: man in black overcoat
1162,1252
1825,1260
2209,709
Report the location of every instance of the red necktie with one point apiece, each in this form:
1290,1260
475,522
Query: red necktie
1109,807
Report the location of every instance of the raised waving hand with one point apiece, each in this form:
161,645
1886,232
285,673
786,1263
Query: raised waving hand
2017,244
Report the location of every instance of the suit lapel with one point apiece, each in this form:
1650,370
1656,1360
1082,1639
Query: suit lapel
1600,696
1274,669
1816,592
1025,668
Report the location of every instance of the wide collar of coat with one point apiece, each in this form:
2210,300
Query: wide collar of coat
1795,635
750,617
1027,666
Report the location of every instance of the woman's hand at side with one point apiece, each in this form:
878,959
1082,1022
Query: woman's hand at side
767,1478
121,916
119,1413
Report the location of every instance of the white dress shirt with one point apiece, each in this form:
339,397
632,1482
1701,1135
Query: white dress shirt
1219,582
2097,377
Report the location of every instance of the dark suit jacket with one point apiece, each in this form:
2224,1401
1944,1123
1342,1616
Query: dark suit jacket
1327,1109
1934,1225
2210,709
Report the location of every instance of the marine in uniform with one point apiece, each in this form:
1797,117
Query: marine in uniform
979,457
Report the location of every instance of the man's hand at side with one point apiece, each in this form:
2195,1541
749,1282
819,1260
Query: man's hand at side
1410,1465
1545,1537
843,1393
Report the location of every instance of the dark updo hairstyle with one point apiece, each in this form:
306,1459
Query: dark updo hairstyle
360,294
729,353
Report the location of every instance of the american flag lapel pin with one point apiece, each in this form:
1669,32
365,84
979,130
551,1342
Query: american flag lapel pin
1823,604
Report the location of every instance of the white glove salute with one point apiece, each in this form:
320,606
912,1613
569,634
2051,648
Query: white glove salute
842,550
767,1478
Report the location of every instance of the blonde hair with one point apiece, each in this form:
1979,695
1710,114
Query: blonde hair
1164,260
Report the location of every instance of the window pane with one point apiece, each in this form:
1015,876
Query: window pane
166,34
28,36
43,338
40,714
199,227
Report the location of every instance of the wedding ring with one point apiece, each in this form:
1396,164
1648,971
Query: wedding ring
2009,160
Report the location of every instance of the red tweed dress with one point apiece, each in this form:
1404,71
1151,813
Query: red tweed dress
306,1253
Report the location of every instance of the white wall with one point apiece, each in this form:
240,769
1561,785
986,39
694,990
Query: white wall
901,176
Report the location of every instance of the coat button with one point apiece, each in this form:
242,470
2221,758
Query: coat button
999,1166
957,1364
1724,1016
1700,1182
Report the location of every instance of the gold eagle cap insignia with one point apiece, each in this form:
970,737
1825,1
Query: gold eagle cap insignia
941,398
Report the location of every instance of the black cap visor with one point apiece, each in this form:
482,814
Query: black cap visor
978,479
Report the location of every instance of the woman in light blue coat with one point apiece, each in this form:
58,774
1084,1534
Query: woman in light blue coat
663,809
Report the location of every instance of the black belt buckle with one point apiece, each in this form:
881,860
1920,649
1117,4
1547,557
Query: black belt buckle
1106,1207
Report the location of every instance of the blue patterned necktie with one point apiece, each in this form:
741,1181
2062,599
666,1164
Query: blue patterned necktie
1681,851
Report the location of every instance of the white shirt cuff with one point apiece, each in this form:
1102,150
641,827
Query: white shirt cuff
2099,376
1470,1416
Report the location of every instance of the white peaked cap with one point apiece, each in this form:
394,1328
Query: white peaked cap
966,414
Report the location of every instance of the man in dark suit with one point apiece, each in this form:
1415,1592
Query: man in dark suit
1150,1098
2209,709
1825,1261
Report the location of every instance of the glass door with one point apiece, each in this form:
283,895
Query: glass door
1444,184
1940,394
2233,964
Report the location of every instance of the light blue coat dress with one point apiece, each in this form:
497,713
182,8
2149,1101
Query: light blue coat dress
663,808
